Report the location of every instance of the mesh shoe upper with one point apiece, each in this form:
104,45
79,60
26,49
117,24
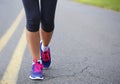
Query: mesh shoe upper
36,72
45,57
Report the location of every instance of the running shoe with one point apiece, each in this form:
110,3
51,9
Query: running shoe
36,72
45,57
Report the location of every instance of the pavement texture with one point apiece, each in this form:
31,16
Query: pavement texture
85,47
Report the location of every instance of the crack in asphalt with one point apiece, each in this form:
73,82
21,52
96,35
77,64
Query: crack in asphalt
64,76
84,69
74,75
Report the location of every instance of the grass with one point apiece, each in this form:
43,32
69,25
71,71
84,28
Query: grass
110,4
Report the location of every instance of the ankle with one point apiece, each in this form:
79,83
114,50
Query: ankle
44,48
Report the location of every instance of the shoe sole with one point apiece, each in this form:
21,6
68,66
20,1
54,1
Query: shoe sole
36,78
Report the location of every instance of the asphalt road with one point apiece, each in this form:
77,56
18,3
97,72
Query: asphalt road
85,46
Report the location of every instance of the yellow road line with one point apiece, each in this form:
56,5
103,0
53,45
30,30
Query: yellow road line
11,73
10,31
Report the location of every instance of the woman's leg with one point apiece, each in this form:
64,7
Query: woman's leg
47,19
33,40
33,21
46,37
33,36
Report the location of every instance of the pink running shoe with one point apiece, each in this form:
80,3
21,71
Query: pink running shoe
36,72
45,57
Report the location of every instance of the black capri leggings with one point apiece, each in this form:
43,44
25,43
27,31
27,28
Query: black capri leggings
37,12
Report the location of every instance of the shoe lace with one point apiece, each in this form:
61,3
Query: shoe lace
37,66
45,56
